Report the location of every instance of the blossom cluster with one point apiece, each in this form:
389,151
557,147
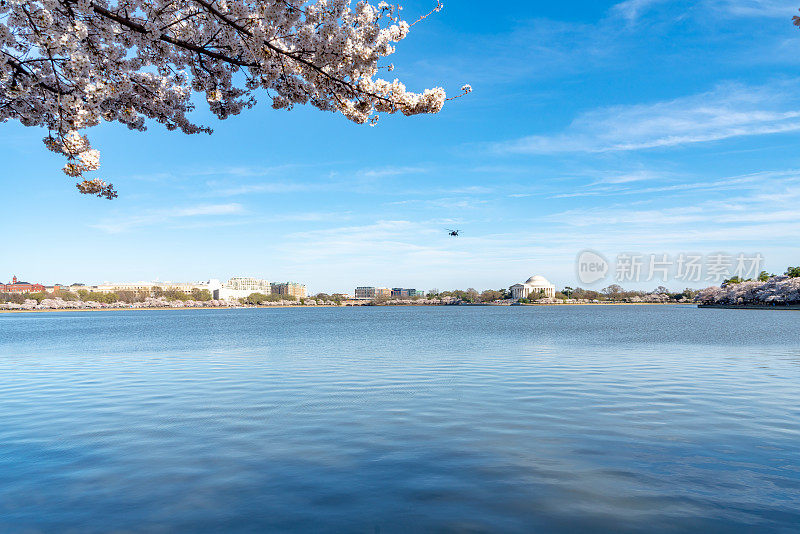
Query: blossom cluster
150,302
439,301
778,290
68,64
643,298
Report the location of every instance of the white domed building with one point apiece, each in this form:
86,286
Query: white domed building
535,285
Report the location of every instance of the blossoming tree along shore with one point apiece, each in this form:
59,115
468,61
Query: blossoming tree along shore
68,64
765,291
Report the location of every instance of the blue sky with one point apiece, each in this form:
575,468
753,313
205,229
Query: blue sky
647,126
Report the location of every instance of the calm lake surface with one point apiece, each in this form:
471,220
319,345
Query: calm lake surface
446,419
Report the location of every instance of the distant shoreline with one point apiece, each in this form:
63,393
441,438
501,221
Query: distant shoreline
198,308
751,306
596,304
168,309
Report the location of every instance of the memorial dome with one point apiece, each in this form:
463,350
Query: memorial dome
538,280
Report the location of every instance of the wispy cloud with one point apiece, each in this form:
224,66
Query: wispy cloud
153,177
222,190
744,214
244,171
164,216
752,181
632,10
207,209
381,172
730,110
446,203
755,8
360,180
627,178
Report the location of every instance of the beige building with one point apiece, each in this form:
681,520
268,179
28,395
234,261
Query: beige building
535,285
235,288
113,287
292,289
369,292
241,287
383,292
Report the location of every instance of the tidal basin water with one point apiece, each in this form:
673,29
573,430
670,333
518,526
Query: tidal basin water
445,419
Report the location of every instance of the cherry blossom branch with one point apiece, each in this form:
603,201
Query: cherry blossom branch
67,65
18,66
123,21
436,9
354,89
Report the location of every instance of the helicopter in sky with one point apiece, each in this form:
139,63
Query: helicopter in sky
452,233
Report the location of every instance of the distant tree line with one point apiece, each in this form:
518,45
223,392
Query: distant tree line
613,292
471,295
128,297
335,298
791,272
765,290
255,299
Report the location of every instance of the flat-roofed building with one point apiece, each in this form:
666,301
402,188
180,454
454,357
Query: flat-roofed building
55,288
241,287
400,292
235,288
148,287
254,285
113,287
370,292
292,289
365,292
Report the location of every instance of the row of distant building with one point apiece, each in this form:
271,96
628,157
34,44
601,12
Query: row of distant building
233,289
239,287
372,293
535,285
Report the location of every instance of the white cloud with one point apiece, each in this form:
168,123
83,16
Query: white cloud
445,203
207,209
626,178
756,8
752,181
163,216
761,201
391,171
244,171
631,10
264,187
730,110
360,180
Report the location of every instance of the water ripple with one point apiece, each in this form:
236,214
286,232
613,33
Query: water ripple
612,419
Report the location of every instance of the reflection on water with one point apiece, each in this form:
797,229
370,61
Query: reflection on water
396,419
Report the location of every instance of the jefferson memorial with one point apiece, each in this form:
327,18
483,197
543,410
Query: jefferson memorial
535,284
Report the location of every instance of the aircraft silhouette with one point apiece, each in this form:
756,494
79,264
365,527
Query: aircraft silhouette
453,233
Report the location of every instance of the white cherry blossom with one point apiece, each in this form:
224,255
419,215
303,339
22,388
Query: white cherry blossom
67,65
777,290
